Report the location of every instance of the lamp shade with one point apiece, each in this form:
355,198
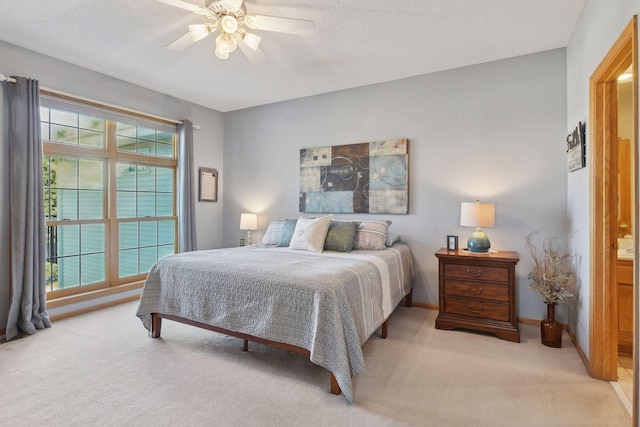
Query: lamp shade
248,221
476,214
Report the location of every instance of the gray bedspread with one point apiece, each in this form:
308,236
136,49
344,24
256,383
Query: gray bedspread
328,303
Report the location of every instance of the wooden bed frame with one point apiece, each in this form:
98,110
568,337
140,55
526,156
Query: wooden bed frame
156,326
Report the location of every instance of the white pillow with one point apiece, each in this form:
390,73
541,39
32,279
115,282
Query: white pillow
392,238
310,233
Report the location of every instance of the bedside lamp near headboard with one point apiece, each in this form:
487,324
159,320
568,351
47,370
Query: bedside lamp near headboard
248,221
476,214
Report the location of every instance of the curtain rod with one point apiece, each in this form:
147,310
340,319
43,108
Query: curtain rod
5,78
115,107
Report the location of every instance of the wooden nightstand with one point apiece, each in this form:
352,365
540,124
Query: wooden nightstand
477,291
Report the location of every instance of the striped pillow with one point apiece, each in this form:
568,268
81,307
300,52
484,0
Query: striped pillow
371,235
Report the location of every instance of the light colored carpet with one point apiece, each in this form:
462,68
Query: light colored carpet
102,369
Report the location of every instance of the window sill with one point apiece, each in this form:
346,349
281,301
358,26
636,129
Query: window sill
87,296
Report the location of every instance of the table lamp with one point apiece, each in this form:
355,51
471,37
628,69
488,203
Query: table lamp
248,221
476,214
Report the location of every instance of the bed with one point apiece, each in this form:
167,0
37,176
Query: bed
324,305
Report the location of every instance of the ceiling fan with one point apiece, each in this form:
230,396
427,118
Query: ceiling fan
230,18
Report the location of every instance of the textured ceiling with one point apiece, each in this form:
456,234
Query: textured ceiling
356,42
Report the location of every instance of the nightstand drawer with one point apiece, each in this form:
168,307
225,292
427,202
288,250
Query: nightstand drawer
475,308
476,290
625,272
477,272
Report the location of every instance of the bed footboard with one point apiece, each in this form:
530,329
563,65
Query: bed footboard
156,325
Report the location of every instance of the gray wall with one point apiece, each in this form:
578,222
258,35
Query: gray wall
62,76
598,28
493,132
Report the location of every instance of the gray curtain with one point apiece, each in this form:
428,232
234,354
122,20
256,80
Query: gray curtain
186,189
27,311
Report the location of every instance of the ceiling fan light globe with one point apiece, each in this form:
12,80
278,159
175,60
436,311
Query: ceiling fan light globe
226,42
229,24
221,53
252,40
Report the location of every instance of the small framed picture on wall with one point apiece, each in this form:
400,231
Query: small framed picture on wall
452,243
208,185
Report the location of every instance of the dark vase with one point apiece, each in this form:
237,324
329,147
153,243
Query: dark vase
550,329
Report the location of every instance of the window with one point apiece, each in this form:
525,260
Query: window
109,189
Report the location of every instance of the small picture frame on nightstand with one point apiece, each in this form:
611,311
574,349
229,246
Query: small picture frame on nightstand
452,242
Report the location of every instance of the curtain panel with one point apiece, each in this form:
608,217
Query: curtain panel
27,311
186,189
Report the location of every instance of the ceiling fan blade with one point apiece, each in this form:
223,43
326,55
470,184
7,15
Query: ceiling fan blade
200,31
256,57
282,25
231,4
182,5
181,43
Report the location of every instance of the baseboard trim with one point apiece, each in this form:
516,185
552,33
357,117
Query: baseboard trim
537,322
425,305
572,335
583,356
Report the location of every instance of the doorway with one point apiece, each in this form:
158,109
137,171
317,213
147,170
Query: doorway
625,231
604,162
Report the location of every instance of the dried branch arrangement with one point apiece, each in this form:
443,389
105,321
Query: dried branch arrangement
551,274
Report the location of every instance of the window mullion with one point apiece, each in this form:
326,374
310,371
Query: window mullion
112,194
141,159
57,149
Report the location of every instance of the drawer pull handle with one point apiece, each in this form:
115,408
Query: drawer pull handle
476,274
474,310
475,292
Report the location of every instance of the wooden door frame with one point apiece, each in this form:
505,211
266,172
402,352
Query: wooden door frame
603,346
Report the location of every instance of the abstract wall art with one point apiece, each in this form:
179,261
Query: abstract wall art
369,177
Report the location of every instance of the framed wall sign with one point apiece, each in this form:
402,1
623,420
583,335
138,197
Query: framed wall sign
576,148
452,243
208,185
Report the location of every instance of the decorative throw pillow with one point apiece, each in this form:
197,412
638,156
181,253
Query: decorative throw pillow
287,232
310,233
273,233
371,235
392,238
340,236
